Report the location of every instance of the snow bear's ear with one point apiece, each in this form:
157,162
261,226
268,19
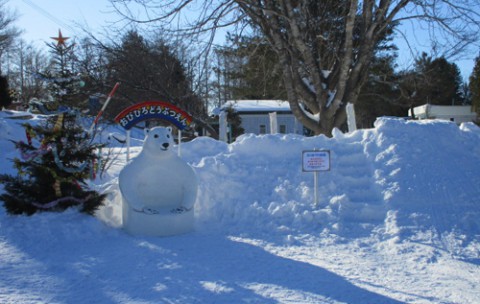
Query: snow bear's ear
169,129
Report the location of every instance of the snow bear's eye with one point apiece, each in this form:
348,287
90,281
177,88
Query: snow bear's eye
155,136
168,136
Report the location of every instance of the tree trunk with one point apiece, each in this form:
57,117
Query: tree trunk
206,126
326,47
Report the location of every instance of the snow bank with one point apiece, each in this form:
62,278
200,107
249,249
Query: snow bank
396,222
428,172
259,183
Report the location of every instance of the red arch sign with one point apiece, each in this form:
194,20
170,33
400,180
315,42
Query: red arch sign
153,109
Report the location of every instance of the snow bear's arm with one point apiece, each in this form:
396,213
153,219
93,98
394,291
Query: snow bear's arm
128,188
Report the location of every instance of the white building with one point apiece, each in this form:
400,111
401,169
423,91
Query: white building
257,118
457,114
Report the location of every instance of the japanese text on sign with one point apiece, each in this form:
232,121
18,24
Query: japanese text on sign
316,160
153,109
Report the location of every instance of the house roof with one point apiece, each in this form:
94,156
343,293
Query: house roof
255,106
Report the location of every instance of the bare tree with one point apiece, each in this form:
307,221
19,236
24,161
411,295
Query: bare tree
325,47
25,62
8,33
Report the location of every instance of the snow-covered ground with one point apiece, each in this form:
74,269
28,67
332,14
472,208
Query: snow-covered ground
398,221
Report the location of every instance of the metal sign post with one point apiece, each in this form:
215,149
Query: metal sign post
128,145
315,161
179,145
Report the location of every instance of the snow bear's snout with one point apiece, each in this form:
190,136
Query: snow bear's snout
165,146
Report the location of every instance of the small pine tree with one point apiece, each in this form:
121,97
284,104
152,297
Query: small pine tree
235,122
62,75
56,161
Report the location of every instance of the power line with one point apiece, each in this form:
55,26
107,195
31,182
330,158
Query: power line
48,15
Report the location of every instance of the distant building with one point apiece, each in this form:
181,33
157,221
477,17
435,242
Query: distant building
457,114
257,119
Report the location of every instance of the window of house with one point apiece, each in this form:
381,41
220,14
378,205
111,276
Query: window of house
263,129
283,129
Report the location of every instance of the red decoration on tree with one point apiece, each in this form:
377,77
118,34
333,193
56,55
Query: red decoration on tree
60,39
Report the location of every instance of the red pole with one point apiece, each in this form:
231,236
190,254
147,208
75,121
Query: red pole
104,106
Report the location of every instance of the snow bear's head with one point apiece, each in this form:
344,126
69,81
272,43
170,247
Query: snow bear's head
158,140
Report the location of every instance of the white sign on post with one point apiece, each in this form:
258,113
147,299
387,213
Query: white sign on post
315,161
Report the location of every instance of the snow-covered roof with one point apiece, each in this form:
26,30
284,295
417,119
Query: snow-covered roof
457,114
258,105
429,109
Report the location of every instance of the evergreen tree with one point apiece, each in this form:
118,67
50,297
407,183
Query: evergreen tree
432,81
235,122
5,98
249,70
474,86
62,76
150,71
379,97
52,171
440,82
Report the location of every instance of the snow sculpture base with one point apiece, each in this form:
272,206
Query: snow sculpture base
164,223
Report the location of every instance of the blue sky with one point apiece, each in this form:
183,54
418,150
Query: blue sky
41,19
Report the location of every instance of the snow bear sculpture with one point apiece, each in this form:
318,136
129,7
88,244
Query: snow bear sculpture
158,188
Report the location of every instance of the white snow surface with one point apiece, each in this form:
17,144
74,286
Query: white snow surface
398,221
